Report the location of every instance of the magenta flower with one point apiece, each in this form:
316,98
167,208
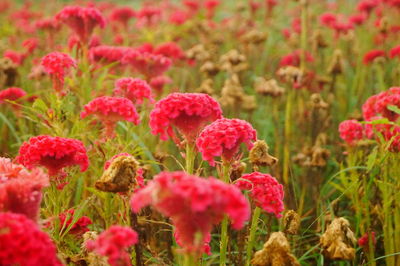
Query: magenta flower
351,131
133,89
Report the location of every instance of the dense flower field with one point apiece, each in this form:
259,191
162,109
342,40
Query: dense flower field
200,132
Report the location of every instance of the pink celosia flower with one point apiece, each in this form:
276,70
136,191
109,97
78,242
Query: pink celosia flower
110,110
187,112
372,55
133,89
364,240
22,243
20,189
48,24
82,20
265,190
113,243
122,15
148,64
395,52
16,57
30,45
11,94
367,5
328,19
357,19
194,205
386,132
179,17
351,131
293,59
107,54
378,105
170,50
158,83
54,153
223,138
57,65
148,16
79,227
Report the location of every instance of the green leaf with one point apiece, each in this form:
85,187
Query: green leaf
394,108
39,104
371,159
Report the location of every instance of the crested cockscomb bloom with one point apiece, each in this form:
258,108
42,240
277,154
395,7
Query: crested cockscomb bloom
148,64
223,138
107,54
170,50
328,19
79,227
16,57
193,204
293,59
395,52
387,132
53,153
379,104
351,131
11,94
158,83
134,89
364,240
265,190
20,189
82,20
179,17
122,15
114,243
22,243
357,19
368,108
187,112
110,110
148,16
57,65
370,56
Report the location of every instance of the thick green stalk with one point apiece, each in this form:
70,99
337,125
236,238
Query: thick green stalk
224,224
190,156
286,151
189,260
252,235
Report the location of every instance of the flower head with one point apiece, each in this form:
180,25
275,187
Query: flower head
395,52
57,65
110,110
122,15
22,243
293,59
351,131
265,191
54,153
20,189
134,89
193,204
158,83
11,94
148,64
370,56
82,20
107,54
363,241
223,138
170,50
113,243
187,112
380,104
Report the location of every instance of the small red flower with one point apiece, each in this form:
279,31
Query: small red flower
351,131
113,243
223,138
22,243
372,55
395,52
122,15
11,94
133,89
187,112
293,59
378,105
16,57
158,83
79,227
170,50
54,153
265,190
364,240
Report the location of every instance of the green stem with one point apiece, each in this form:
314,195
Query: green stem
380,76
190,156
303,37
224,225
251,239
286,151
189,260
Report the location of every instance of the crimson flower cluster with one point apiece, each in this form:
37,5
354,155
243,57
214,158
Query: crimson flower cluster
134,89
79,227
351,131
194,205
148,64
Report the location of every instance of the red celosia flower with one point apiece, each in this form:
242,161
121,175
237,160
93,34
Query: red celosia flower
158,83
110,110
113,243
20,189
107,54
364,240
54,153
372,55
82,20
367,5
193,204
11,94
49,24
179,17
265,191
57,65
378,105
328,19
384,131
395,52
133,89
22,243
148,16
293,59
148,64
223,138
211,5
79,227
17,57
170,50
30,45
122,15
357,19
187,112
351,131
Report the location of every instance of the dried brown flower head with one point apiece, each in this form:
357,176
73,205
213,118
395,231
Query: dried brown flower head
119,176
259,155
206,86
237,170
254,37
336,65
317,102
338,240
233,62
268,87
249,103
209,68
232,92
291,74
291,222
317,40
8,72
92,258
276,252
198,53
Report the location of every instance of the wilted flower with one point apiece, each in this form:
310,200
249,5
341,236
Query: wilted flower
187,112
54,153
134,89
193,204
264,190
20,189
223,138
110,110
351,131
22,243
259,155
113,243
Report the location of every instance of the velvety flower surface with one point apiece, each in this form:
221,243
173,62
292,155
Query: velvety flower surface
11,94
54,153
223,138
20,189
22,243
57,65
351,131
113,243
265,190
379,105
134,89
148,64
194,205
187,112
